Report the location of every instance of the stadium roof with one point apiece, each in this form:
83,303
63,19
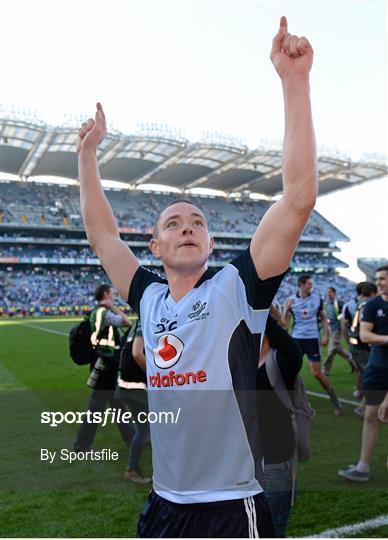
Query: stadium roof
369,265
156,156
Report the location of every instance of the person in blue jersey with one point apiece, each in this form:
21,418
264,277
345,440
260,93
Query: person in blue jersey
202,330
373,330
306,309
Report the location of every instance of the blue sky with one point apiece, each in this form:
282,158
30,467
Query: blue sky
204,66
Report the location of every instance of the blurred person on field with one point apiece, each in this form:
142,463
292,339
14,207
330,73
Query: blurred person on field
333,307
105,319
132,391
374,331
276,430
306,309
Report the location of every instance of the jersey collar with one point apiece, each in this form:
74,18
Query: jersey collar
208,274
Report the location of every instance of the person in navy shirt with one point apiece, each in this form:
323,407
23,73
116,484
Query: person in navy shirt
203,331
373,330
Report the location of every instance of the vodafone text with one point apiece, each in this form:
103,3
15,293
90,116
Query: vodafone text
109,416
177,379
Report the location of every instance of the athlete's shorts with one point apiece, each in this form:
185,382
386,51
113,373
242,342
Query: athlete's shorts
375,381
239,518
310,347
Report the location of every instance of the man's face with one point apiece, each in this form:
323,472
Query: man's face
382,282
307,287
330,294
183,241
109,295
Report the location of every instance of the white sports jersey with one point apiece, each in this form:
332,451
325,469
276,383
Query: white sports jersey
202,354
305,312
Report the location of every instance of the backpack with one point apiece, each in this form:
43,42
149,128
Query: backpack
81,349
128,368
301,412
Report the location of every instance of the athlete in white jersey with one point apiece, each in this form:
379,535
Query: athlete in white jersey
306,308
202,332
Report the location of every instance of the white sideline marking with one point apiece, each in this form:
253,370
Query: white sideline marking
44,329
325,396
348,530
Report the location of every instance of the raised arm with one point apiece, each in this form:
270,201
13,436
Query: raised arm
277,236
101,227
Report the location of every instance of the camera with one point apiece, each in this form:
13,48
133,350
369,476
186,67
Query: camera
98,368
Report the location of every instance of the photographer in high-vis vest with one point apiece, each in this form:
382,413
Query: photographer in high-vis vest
132,390
105,319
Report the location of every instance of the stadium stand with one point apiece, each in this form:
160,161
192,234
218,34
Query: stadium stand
47,267
370,265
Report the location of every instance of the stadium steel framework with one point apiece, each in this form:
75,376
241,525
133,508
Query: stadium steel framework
154,155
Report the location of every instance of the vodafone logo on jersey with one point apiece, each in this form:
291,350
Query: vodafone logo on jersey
168,351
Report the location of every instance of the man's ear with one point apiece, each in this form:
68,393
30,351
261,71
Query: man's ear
153,245
211,245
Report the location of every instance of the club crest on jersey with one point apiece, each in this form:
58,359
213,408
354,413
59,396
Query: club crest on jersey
198,311
167,351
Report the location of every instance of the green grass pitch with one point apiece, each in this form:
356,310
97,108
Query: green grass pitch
92,499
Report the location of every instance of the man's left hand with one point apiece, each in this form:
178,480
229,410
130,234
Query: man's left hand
291,55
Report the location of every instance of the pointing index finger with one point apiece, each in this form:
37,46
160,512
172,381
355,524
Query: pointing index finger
284,25
282,32
100,115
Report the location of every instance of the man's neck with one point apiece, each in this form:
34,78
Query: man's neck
180,284
304,294
384,297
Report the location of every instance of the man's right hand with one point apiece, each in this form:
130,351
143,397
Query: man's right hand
383,410
290,302
101,227
92,132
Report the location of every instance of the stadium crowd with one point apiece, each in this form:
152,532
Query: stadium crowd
30,203
55,291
